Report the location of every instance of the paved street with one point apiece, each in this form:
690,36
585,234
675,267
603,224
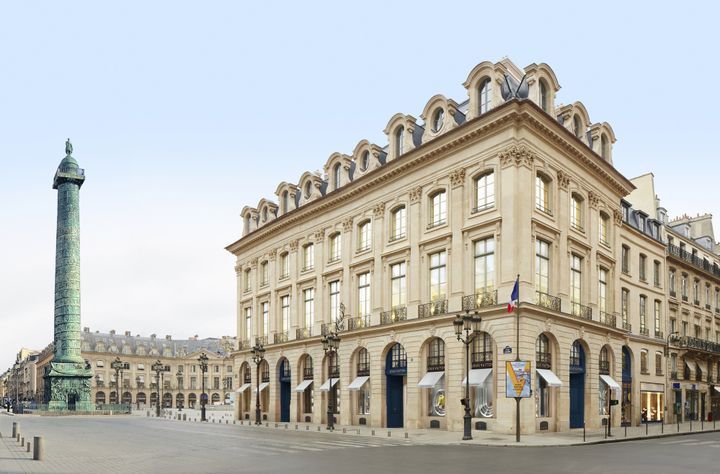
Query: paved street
139,445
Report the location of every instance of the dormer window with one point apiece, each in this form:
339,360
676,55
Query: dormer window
308,189
284,202
577,126
399,139
604,147
365,161
437,119
264,214
543,96
336,176
485,95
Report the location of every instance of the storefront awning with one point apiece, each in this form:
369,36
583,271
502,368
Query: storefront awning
263,386
358,383
477,377
717,389
326,386
431,379
243,387
691,365
550,377
303,386
610,382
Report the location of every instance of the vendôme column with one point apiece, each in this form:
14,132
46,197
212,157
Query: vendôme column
67,377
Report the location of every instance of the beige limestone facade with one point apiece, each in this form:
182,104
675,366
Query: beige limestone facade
394,241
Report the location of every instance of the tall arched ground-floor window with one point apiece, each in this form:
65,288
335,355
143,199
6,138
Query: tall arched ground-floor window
100,398
192,400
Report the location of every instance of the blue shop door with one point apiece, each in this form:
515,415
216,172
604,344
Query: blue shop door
577,400
394,401
285,402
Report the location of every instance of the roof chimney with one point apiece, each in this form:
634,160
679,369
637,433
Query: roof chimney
112,332
168,337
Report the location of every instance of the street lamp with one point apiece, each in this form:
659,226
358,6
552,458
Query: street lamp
673,336
179,376
117,365
203,359
471,326
158,368
331,343
258,352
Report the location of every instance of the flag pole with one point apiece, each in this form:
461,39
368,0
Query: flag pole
517,359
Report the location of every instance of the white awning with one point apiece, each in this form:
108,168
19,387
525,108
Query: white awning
550,377
358,383
717,389
243,387
263,386
303,385
477,377
691,365
431,379
610,382
326,386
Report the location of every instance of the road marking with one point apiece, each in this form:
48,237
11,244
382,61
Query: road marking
692,440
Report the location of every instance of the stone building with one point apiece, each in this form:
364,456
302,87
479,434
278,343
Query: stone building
393,241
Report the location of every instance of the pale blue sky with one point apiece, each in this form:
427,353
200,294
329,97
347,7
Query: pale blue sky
184,112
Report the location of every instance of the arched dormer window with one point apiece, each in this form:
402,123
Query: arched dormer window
544,100
285,202
577,126
308,189
604,147
576,212
399,140
365,161
485,94
543,196
265,214
337,176
484,191
437,119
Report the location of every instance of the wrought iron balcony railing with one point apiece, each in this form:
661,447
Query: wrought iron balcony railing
261,341
697,262
247,378
394,315
358,322
435,363
608,319
673,294
280,337
265,376
432,309
363,369
303,333
543,360
687,342
581,311
481,360
547,301
244,345
604,367
674,375
658,371
685,298
644,331
307,373
659,334
479,300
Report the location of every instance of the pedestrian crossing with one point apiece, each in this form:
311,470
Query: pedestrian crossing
294,446
685,441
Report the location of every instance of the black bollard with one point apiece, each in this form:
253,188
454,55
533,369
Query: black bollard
38,448
583,432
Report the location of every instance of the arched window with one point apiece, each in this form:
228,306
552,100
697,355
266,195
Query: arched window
577,126
438,209
604,361
544,102
437,119
363,363
265,214
285,206
543,361
364,236
336,176
542,352
482,352
399,139
542,193
576,212
576,354
484,192
363,393
482,392
308,189
485,95
436,356
604,147
365,161
397,223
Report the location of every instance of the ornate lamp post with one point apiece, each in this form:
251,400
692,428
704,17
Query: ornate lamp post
158,368
203,359
331,343
471,326
117,365
258,352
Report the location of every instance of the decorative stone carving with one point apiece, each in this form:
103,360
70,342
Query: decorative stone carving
238,268
563,180
517,155
254,263
294,245
319,235
618,217
379,210
415,194
347,224
593,199
272,255
457,177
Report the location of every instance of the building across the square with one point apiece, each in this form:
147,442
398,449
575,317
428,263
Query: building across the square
396,240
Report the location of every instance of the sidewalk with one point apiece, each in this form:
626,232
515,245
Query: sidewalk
485,438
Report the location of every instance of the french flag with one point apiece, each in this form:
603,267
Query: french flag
514,297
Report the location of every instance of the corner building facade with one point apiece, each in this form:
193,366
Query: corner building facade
394,241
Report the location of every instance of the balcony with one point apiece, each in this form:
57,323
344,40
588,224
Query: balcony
687,342
261,341
581,311
244,345
577,227
685,298
543,360
627,326
363,369
547,301
432,309
479,300
481,360
543,209
696,302
358,322
394,315
604,367
265,376
280,337
699,263
435,363
303,333
673,294
659,334
608,319
707,307
307,373
644,331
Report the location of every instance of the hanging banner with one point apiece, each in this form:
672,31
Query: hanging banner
517,379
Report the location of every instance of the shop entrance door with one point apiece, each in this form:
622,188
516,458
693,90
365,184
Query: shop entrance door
577,386
395,372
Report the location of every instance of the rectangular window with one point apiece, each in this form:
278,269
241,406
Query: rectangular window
641,270
438,215
264,273
285,312
602,291
575,279
265,318
308,257
247,280
717,303
657,311
542,266
644,361
438,276
671,281
193,383
397,285
309,299
248,324
604,231
656,273
484,265
284,265
696,292
643,315
542,194
625,259
684,287
364,236
576,218
364,303
334,301
335,247
485,192
684,328
397,230
624,305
